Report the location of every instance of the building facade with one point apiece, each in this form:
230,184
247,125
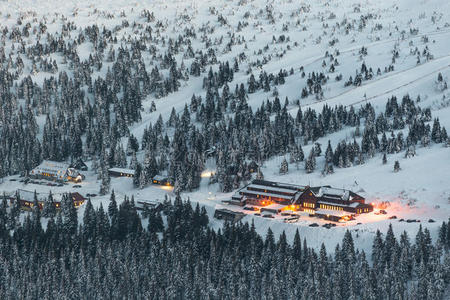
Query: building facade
56,171
120,172
323,201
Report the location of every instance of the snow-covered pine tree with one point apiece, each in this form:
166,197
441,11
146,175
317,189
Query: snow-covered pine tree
310,163
284,167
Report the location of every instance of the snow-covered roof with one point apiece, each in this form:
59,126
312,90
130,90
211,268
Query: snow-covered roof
334,193
122,170
148,202
53,167
159,177
271,188
265,194
289,186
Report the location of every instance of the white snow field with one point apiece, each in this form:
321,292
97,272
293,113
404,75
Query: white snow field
421,190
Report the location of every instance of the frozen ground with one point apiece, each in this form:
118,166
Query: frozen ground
423,182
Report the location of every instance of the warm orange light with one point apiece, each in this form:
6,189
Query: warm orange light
206,174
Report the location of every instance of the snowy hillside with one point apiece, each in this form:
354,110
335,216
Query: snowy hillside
186,77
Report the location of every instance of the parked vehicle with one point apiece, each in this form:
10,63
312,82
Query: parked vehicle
267,215
314,225
76,186
392,217
291,220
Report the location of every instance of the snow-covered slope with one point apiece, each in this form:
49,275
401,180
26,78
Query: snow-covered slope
310,29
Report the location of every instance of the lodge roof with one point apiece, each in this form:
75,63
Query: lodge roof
77,197
122,170
246,191
159,177
52,167
272,189
279,184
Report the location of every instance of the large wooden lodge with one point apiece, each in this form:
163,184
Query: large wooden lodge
56,171
323,201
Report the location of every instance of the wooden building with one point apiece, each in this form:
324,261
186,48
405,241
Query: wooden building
120,172
324,201
150,204
161,180
56,171
228,215
262,192
334,199
26,199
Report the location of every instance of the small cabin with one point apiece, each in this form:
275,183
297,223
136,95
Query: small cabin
161,180
150,204
77,199
120,172
228,215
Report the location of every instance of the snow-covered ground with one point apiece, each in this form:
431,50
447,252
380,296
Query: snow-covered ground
421,190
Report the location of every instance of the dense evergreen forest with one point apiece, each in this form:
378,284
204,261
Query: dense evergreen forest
111,255
89,107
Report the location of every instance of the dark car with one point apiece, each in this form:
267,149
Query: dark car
267,216
314,225
12,179
76,186
393,217
431,221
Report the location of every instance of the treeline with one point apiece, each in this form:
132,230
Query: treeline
223,126
89,106
112,255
